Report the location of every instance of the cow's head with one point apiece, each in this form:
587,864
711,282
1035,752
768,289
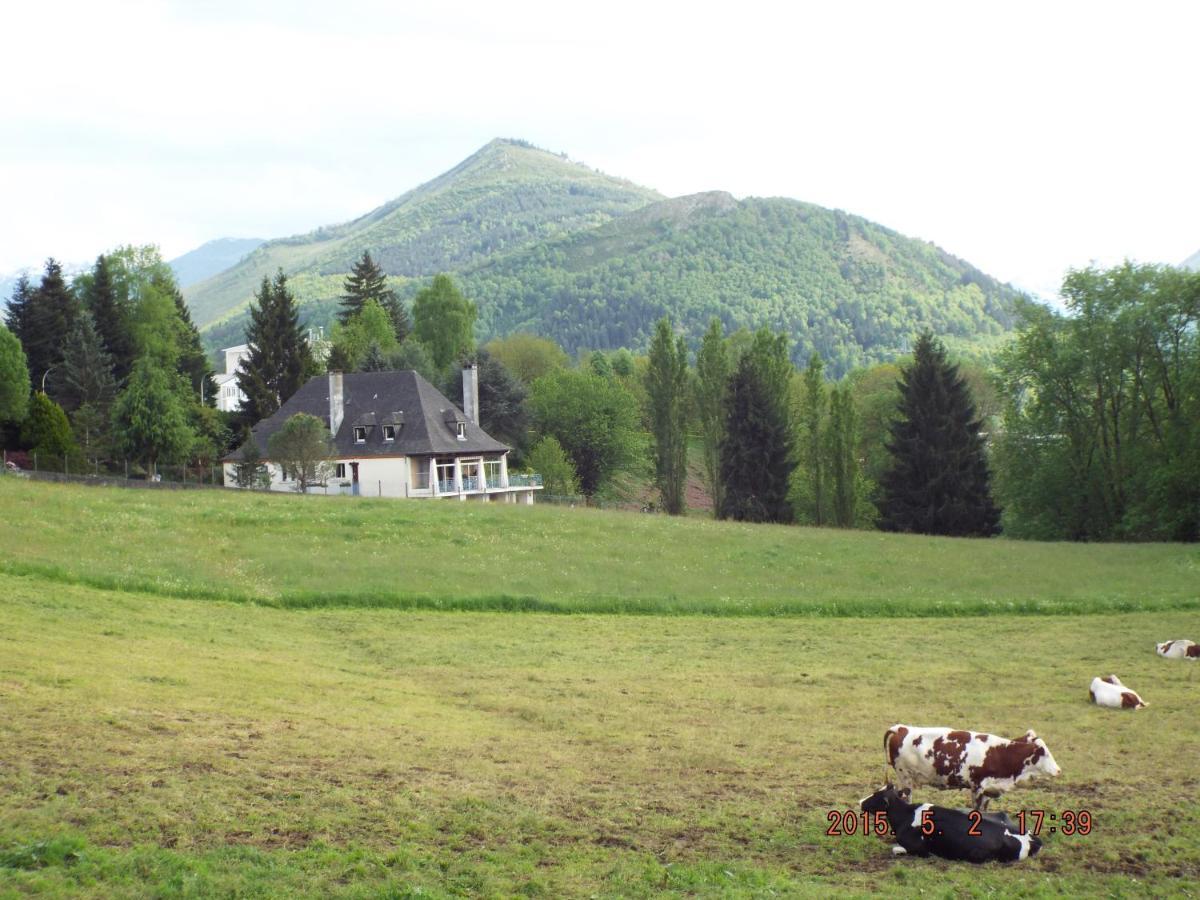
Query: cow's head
1113,680
1043,762
883,798
1161,649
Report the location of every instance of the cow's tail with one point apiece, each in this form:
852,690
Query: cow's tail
887,756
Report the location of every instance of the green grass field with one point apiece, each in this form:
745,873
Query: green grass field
344,551
157,739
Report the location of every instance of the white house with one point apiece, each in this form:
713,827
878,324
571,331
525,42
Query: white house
395,435
229,395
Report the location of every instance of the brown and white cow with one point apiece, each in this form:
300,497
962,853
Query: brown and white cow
1108,691
1178,650
986,765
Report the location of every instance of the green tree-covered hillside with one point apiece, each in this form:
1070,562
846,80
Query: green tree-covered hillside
835,283
547,246
505,197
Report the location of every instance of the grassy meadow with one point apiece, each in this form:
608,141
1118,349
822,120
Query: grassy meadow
343,551
208,694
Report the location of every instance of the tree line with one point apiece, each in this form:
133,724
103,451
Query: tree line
1085,427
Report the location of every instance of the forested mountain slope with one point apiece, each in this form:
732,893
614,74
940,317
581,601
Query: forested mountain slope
839,284
549,246
505,197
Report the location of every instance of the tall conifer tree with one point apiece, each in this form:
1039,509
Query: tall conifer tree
49,318
938,481
757,453
367,282
17,317
280,359
111,318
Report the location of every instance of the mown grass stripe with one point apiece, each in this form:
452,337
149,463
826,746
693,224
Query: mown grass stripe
881,608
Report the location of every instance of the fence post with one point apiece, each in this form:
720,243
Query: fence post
66,467
35,468
126,469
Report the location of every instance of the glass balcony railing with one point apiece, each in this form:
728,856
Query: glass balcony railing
532,480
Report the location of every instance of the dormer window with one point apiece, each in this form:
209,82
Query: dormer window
360,434
462,431
389,432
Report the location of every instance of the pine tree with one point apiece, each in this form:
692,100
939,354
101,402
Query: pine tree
111,317
757,448
280,359
938,481
366,281
666,385
712,380
150,416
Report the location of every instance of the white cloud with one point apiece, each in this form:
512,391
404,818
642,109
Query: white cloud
1025,138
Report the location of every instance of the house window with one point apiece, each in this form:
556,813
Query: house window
389,432
339,470
420,473
360,434
462,431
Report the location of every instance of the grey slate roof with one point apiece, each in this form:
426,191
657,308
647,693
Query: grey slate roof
425,419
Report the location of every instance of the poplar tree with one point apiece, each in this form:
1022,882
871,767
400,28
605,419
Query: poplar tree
280,359
813,407
841,438
366,281
666,385
938,481
712,381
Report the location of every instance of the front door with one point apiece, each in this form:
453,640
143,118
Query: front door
354,478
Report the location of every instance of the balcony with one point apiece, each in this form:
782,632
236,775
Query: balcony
524,481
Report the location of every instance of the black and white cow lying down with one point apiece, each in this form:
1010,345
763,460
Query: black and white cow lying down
922,829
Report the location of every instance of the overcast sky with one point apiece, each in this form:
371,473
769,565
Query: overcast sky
1023,137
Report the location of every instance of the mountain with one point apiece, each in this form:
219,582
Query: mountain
853,291
210,258
507,196
545,245
1192,262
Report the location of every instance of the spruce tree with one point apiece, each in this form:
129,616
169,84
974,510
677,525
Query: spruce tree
938,480
17,317
193,361
666,386
280,359
110,314
367,282
757,448
48,319
87,368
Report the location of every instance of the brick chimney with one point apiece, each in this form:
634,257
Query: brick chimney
337,405
471,392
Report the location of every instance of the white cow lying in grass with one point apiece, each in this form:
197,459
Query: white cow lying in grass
1179,650
1110,692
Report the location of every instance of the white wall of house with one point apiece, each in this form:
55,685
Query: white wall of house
388,476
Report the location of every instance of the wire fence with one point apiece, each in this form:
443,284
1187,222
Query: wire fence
119,473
